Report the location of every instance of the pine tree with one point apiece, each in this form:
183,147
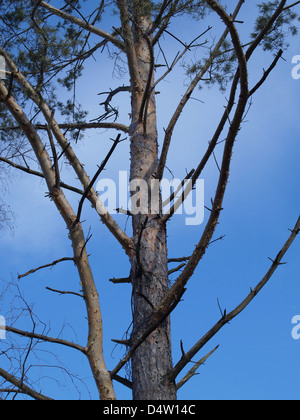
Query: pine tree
46,47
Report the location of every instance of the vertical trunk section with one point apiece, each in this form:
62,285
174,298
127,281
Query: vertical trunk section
153,360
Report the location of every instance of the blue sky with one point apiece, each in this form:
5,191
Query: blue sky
257,357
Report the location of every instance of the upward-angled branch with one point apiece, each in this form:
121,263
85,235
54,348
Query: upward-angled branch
159,17
266,29
107,219
76,126
94,350
38,174
187,95
179,56
130,48
22,387
51,265
266,73
96,176
187,357
82,23
229,107
225,168
161,22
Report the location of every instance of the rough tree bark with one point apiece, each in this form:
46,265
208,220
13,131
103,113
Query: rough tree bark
152,361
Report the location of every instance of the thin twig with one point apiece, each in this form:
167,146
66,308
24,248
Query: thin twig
121,280
20,276
44,338
38,174
101,168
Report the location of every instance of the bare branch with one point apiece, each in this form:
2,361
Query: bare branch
94,350
54,154
174,270
83,24
110,96
266,73
78,126
101,168
20,276
158,316
292,5
148,88
191,373
182,259
22,387
122,280
107,219
63,292
165,21
179,56
228,109
38,174
243,305
187,95
45,338
123,381
225,169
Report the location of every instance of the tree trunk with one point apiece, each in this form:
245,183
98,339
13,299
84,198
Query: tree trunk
153,359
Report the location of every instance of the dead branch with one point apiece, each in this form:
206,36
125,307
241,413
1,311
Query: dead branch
174,270
123,280
20,276
266,73
165,21
45,338
228,109
22,387
38,174
225,169
182,259
130,49
180,186
107,219
54,154
122,342
179,56
123,381
94,349
62,292
96,176
77,126
187,95
159,17
192,372
110,95
83,24
158,316
226,318
291,5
